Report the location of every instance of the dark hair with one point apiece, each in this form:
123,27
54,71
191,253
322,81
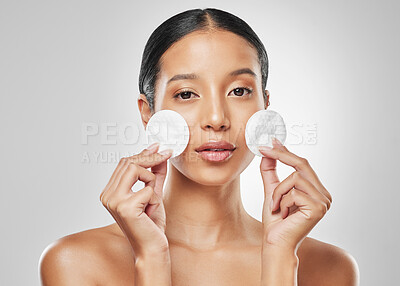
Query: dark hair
178,26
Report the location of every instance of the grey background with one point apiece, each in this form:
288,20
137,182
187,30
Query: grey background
334,69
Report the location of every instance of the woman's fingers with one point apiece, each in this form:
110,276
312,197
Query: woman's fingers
158,164
135,204
121,164
146,158
310,207
112,179
297,181
132,174
149,150
124,162
269,176
281,153
160,171
150,160
129,177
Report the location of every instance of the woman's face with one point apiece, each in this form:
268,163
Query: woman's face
215,103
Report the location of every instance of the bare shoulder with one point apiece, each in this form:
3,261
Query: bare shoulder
82,258
324,264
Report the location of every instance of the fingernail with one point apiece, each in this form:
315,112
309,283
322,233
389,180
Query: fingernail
166,152
153,147
264,148
277,141
271,204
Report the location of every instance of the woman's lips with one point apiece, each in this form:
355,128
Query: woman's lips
216,156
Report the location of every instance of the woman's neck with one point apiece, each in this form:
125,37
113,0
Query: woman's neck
204,217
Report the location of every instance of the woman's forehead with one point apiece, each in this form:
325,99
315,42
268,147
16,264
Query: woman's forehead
204,53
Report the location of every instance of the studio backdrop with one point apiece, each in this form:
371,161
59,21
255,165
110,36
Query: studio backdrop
69,88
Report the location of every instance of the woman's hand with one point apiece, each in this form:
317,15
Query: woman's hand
141,214
298,202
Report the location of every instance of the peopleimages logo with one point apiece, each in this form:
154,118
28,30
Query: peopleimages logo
111,133
103,136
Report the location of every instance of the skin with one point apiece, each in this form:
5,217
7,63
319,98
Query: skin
212,239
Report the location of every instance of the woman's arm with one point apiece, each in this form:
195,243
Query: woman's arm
279,267
141,215
290,211
153,270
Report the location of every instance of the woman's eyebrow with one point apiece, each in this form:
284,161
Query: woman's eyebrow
195,76
243,71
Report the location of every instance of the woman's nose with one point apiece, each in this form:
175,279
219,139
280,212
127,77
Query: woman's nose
215,115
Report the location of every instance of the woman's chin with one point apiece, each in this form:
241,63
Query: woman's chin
212,180
210,174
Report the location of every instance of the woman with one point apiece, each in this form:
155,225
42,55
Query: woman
209,66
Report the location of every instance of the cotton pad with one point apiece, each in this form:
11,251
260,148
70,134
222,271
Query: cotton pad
170,129
261,126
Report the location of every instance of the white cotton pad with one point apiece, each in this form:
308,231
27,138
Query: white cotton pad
170,129
261,126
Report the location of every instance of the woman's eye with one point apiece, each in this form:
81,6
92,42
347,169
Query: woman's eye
183,95
240,90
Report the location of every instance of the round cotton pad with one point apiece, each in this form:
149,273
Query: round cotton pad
261,126
170,129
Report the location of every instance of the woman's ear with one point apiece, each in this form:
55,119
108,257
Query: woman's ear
144,109
267,100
